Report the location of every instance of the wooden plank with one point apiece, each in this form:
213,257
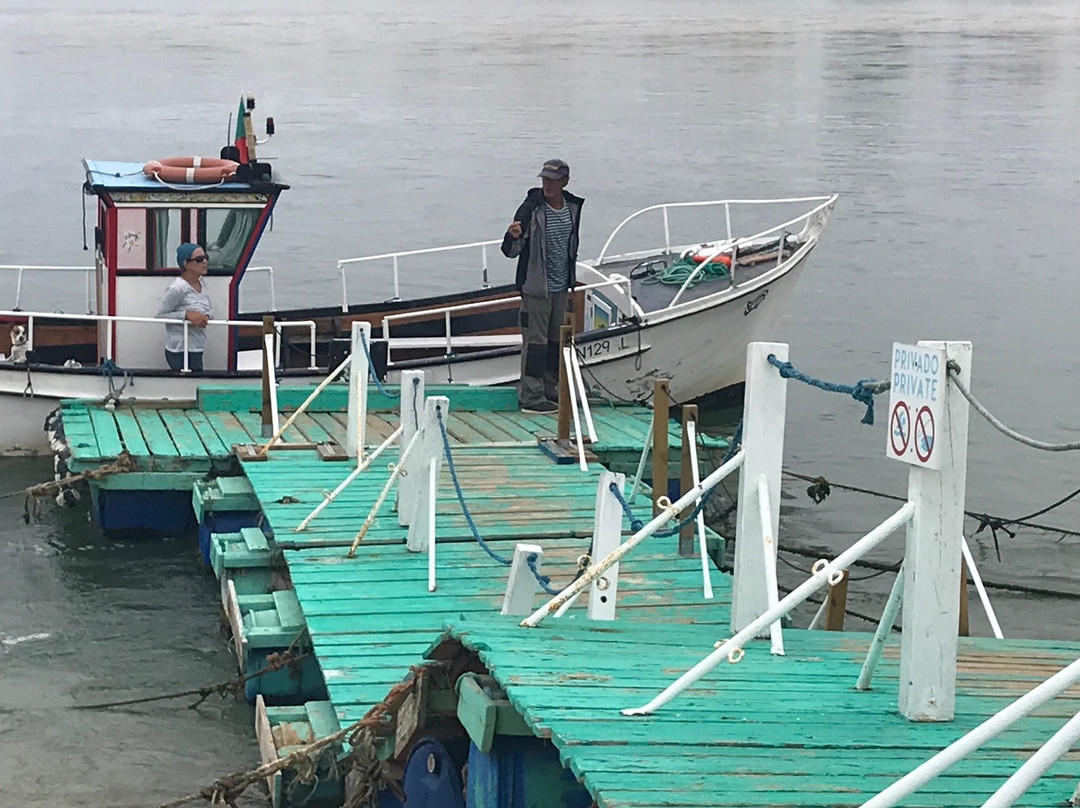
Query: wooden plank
189,444
156,434
208,434
229,429
130,433
106,432
336,431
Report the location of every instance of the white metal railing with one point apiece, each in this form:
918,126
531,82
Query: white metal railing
270,277
986,731
31,316
21,269
488,341
395,256
824,202
672,511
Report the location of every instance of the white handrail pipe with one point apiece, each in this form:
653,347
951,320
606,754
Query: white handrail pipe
974,739
345,483
995,626
598,568
396,470
822,575
307,401
703,547
769,551
1035,766
577,380
881,635
578,438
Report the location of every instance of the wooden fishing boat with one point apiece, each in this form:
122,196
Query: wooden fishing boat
684,310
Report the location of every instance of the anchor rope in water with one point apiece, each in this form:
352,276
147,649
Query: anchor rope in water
862,391
543,580
371,370
953,370
275,662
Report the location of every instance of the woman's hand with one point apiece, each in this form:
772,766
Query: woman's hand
196,318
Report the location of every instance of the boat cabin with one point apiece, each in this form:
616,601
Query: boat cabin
141,220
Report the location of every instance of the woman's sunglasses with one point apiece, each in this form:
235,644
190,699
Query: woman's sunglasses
199,259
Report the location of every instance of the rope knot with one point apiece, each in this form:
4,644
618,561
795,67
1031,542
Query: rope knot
864,394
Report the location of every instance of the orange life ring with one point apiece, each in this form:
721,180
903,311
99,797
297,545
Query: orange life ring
703,255
190,169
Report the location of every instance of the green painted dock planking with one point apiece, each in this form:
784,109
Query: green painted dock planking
761,732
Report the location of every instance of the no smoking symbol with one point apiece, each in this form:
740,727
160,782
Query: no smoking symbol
900,428
924,434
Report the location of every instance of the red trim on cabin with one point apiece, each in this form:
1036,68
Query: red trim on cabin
241,268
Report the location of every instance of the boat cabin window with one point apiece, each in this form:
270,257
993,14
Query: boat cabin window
147,239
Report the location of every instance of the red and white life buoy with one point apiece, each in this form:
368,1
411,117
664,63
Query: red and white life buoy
190,169
704,255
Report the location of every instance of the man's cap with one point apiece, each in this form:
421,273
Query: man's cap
555,170
184,251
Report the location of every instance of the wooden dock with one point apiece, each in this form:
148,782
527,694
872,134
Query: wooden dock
762,731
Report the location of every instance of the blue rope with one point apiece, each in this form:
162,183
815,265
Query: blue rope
371,370
461,497
636,524
543,580
862,391
733,447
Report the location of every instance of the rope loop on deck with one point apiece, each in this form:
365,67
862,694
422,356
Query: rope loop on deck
953,370
371,370
862,391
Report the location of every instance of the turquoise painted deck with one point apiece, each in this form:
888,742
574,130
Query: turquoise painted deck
767,731
198,436
371,617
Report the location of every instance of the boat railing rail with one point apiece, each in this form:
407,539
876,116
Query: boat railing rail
395,257
269,272
487,341
21,270
32,316
823,204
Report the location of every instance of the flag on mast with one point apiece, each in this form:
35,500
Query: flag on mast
241,132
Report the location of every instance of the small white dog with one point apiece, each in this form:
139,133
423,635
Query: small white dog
18,344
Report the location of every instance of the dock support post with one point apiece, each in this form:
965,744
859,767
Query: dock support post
358,384
764,407
835,604
660,415
932,561
686,482
421,526
521,584
607,536
267,419
412,407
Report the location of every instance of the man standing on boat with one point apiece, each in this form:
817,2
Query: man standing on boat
544,239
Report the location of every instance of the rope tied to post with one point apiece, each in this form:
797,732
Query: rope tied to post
637,524
531,559
371,370
862,391
953,369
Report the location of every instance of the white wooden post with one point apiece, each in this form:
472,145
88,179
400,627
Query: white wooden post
271,370
358,384
764,406
412,409
607,535
421,525
932,560
521,585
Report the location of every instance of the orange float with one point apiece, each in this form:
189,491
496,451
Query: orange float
191,169
704,255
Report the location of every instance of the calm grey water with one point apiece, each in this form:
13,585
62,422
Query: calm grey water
947,127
